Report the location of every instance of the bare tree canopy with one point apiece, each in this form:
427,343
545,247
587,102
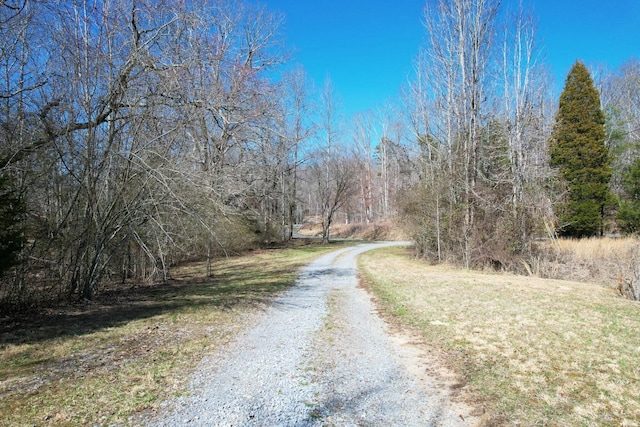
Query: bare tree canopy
133,131
137,135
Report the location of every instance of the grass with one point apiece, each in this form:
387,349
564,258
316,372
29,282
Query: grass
533,351
101,363
598,247
383,230
605,261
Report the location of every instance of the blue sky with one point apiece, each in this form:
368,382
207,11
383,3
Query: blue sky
367,47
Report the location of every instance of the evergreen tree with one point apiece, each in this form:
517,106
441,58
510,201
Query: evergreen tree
579,152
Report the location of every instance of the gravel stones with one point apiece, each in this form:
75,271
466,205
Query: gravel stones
306,362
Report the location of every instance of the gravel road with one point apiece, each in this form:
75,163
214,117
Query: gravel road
318,356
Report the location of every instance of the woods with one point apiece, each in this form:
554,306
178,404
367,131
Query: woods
483,138
139,135
502,162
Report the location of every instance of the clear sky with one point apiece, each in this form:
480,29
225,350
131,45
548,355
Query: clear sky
367,47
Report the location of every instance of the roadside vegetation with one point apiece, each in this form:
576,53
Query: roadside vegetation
529,351
115,167
610,262
100,363
378,230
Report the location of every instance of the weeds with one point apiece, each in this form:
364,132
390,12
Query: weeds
610,262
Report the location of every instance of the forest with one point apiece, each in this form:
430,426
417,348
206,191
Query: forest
138,135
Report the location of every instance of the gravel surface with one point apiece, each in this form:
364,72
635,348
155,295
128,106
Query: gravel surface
318,356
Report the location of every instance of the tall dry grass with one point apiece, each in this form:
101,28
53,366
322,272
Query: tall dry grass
594,249
607,261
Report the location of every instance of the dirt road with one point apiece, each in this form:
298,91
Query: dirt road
319,355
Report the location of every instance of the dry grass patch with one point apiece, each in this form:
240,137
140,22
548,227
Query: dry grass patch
100,363
383,230
598,248
606,261
538,352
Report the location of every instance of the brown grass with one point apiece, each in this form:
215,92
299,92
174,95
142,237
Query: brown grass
598,248
100,363
532,351
383,230
606,261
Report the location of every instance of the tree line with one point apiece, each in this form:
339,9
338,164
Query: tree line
138,135
504,162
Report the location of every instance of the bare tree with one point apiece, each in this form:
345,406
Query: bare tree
620,93
297,129
480,141
363,151
335,185
430,122
131,129
458,55
330,170
525,96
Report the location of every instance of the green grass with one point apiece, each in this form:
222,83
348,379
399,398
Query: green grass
532,351
102,363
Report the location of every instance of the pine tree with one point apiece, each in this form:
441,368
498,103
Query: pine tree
579,152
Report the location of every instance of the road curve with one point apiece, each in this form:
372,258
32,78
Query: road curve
319,355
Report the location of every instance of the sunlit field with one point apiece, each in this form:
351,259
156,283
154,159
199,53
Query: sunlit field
531,351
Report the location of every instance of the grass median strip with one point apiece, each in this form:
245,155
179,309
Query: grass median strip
537,352
101,363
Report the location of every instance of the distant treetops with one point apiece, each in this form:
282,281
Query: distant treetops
578,150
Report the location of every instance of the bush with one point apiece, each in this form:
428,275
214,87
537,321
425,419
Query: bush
12,210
